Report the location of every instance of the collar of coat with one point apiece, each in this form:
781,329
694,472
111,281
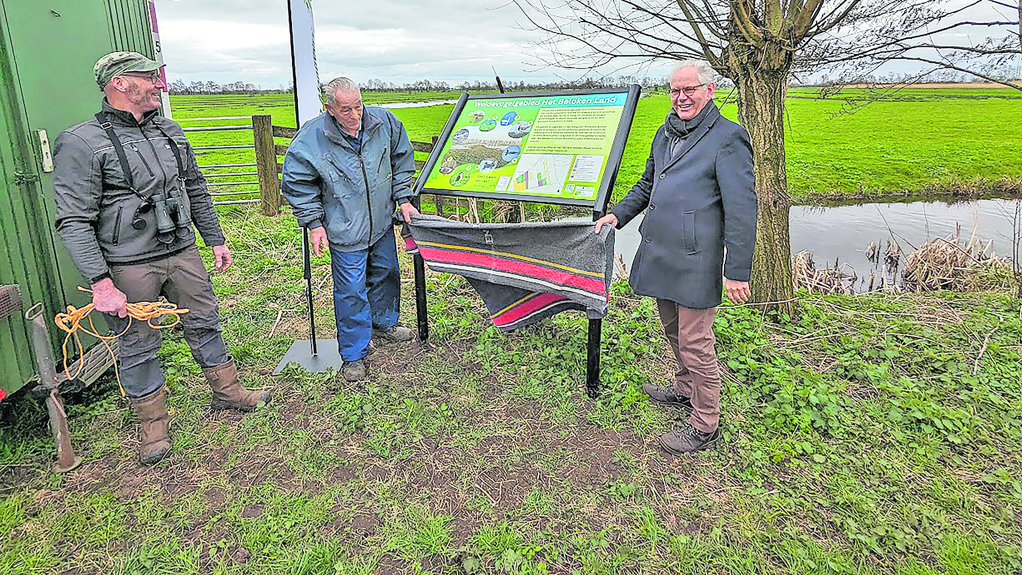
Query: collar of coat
678,128
332,129
125,117
712,114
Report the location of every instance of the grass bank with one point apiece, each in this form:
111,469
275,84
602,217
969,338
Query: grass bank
875,434
933,143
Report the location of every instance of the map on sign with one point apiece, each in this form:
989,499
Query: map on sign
556,148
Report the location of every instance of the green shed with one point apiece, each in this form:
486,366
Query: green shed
47,50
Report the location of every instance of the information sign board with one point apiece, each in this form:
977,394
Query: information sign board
559,148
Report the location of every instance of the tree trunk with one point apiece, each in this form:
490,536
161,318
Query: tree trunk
761,111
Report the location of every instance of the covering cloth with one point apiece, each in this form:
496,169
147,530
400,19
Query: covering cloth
523,272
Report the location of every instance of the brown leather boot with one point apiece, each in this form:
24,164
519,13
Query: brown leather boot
152,412
228,392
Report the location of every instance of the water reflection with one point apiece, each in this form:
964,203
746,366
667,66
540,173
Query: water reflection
862,239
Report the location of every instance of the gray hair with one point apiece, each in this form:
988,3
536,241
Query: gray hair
703,70
340,84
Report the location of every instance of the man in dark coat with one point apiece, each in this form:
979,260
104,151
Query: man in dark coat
698,191
128,191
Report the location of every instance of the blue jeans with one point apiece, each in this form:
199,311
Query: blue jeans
367,295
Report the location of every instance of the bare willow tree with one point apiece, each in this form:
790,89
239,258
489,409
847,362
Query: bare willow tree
760,45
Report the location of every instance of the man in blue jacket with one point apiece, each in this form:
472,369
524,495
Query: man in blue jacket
698,191
343,174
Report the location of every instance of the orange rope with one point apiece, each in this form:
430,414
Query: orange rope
71,323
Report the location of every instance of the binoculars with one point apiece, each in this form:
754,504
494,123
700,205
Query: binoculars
171,222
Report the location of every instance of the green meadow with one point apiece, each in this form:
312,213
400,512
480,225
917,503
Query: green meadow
871,434
925,142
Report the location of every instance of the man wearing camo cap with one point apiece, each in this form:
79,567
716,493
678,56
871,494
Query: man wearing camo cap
128,192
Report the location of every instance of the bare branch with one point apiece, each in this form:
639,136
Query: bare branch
707,48
815,34
741,11
950,66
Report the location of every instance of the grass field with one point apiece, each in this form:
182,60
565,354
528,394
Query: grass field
875,434
935,142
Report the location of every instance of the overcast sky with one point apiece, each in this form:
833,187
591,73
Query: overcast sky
393,40
398,41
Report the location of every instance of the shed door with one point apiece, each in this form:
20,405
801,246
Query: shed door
50,48
55,44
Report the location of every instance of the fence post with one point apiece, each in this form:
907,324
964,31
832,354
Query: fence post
266,164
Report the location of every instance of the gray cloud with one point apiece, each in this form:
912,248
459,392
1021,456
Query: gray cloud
392,40
395,41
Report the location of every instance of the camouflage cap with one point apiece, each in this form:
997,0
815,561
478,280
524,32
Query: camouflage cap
117,63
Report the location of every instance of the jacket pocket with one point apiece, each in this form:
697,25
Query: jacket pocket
116,239
688,232
143,160
337,172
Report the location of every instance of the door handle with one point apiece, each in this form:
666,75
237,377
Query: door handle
47,155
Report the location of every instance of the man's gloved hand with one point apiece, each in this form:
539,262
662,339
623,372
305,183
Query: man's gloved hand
107,298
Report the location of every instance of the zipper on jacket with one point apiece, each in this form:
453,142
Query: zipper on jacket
117,226
369,201
144,163
157,156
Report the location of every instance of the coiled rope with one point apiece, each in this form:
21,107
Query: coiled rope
71,323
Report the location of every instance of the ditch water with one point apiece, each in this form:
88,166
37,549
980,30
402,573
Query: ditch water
843,233
416,104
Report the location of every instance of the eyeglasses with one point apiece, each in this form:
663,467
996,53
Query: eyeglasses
153,77
687,90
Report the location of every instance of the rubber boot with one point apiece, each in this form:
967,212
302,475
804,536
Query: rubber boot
152,413
228,392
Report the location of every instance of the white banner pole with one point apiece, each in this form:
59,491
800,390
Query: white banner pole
303,61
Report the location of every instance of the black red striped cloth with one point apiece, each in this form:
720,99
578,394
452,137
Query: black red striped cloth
523,272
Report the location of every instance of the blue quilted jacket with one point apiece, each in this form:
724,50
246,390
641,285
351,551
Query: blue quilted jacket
352,194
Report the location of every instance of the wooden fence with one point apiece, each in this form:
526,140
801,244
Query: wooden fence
267,154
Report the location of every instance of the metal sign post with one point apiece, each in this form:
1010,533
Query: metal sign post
469,132
308,355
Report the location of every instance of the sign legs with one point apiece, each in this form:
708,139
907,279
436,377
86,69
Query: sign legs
420,297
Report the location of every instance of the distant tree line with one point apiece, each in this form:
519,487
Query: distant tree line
211,87
648,84
945,76
377,85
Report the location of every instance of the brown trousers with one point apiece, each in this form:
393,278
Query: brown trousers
690,333
184,281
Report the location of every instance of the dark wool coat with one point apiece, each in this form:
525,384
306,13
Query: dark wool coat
697,201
